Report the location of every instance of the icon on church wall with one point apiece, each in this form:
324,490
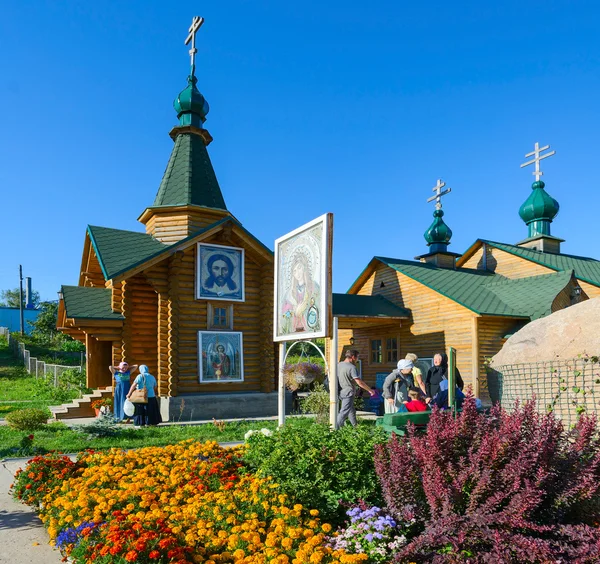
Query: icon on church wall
220,273
303,281
221,356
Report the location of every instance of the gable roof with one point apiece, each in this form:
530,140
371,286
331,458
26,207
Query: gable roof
486,293
585,268
88,303
533,295
189,178
119,251
354,305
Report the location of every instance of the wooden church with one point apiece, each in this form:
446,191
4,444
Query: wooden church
192,297
474,301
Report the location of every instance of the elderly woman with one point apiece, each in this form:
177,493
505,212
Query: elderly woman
121,382
439,372
396,386
146,413
417,374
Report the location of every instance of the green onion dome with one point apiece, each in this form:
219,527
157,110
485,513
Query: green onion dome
438,233
539,205
190,105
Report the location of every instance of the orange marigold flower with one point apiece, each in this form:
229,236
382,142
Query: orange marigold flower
131,556
154,555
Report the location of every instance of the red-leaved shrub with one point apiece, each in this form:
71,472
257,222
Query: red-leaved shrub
496,488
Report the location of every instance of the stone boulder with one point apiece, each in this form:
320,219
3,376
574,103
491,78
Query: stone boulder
565,334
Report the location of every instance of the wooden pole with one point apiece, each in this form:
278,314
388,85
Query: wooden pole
281,387
451,378
475,353
21,299
333,379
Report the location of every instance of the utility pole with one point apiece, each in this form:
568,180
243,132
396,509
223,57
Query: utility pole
21,299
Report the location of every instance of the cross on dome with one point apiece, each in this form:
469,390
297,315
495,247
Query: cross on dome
537,157
438,194
197,22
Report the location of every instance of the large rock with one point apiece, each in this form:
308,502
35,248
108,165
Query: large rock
566,334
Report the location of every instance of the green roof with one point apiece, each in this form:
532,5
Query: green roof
353,305
189,178
586,269
119,250
533,295
88,303
486,293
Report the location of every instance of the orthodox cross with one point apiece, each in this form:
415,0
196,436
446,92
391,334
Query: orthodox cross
438,194
197,22
537,158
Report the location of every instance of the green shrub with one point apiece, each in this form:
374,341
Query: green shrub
317,402
28,419
320,468
104,426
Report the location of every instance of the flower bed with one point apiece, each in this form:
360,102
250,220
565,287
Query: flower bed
190,502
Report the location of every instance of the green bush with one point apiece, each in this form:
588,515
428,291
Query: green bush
320,468
317,403
28,419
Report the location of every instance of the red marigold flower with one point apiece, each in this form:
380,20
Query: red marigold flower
131,556
154,554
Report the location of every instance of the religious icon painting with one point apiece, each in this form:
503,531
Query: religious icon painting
220,273
302,307
221,356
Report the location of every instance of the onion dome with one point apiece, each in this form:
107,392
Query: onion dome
539,210
438,235
190,105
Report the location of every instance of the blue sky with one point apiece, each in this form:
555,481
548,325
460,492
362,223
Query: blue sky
347,107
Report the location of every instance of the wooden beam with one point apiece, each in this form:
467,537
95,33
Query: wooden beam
475,354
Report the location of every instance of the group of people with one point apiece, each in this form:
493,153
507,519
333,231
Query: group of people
404,389
145,413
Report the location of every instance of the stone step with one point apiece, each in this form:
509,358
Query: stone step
80,407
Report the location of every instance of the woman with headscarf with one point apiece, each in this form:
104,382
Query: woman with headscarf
121,382
396,386
439,372
146,413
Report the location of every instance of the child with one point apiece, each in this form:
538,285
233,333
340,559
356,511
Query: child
415,403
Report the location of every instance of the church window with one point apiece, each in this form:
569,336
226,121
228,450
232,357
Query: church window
376,351
219,317
391,349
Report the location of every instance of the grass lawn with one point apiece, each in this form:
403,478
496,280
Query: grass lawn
16,385
58,436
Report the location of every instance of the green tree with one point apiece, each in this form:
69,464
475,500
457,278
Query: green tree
45,332
44,327
10,298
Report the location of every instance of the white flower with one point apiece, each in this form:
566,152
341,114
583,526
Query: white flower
266,432
249,434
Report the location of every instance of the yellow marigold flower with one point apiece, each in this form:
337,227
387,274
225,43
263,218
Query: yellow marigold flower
314,512
326,527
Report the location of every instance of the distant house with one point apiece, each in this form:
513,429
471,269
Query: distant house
11,317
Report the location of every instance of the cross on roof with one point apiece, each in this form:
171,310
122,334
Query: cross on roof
438,194
197,22
537,158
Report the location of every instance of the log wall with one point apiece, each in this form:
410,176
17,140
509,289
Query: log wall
142,323
170,226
